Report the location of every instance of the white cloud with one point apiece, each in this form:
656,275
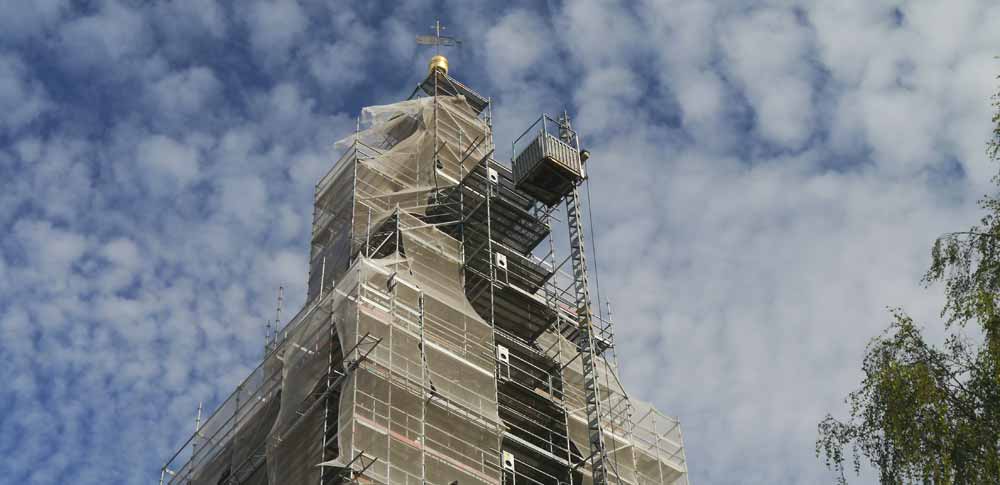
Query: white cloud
286,106
167,162
339,64
22,19
701,96
767,52
601,96
122,252
113,34
125,262
22,98
892,116
244,198
15,327
766,180
29,149
335,65
599,33
53,250
275,25
186,16
397,35
285,268
187,92
515,45
308,168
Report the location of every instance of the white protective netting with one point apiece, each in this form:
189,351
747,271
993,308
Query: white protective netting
644,445
423,403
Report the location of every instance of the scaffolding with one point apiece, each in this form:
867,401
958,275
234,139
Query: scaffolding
442,342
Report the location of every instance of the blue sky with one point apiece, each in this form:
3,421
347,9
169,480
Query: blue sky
768,176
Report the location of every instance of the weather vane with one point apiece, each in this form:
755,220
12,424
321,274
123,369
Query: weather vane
437,40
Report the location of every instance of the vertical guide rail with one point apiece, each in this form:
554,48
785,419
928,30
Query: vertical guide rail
598,454
595,433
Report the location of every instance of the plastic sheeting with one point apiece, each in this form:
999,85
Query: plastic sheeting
416,403
424,402
295,442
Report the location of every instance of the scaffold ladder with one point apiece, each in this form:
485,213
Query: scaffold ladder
598,453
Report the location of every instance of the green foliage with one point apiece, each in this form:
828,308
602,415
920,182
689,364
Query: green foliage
928,414
993,147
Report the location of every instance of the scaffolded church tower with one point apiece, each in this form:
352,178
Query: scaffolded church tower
443,340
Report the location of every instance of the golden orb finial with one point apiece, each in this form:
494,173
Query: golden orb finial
438,63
